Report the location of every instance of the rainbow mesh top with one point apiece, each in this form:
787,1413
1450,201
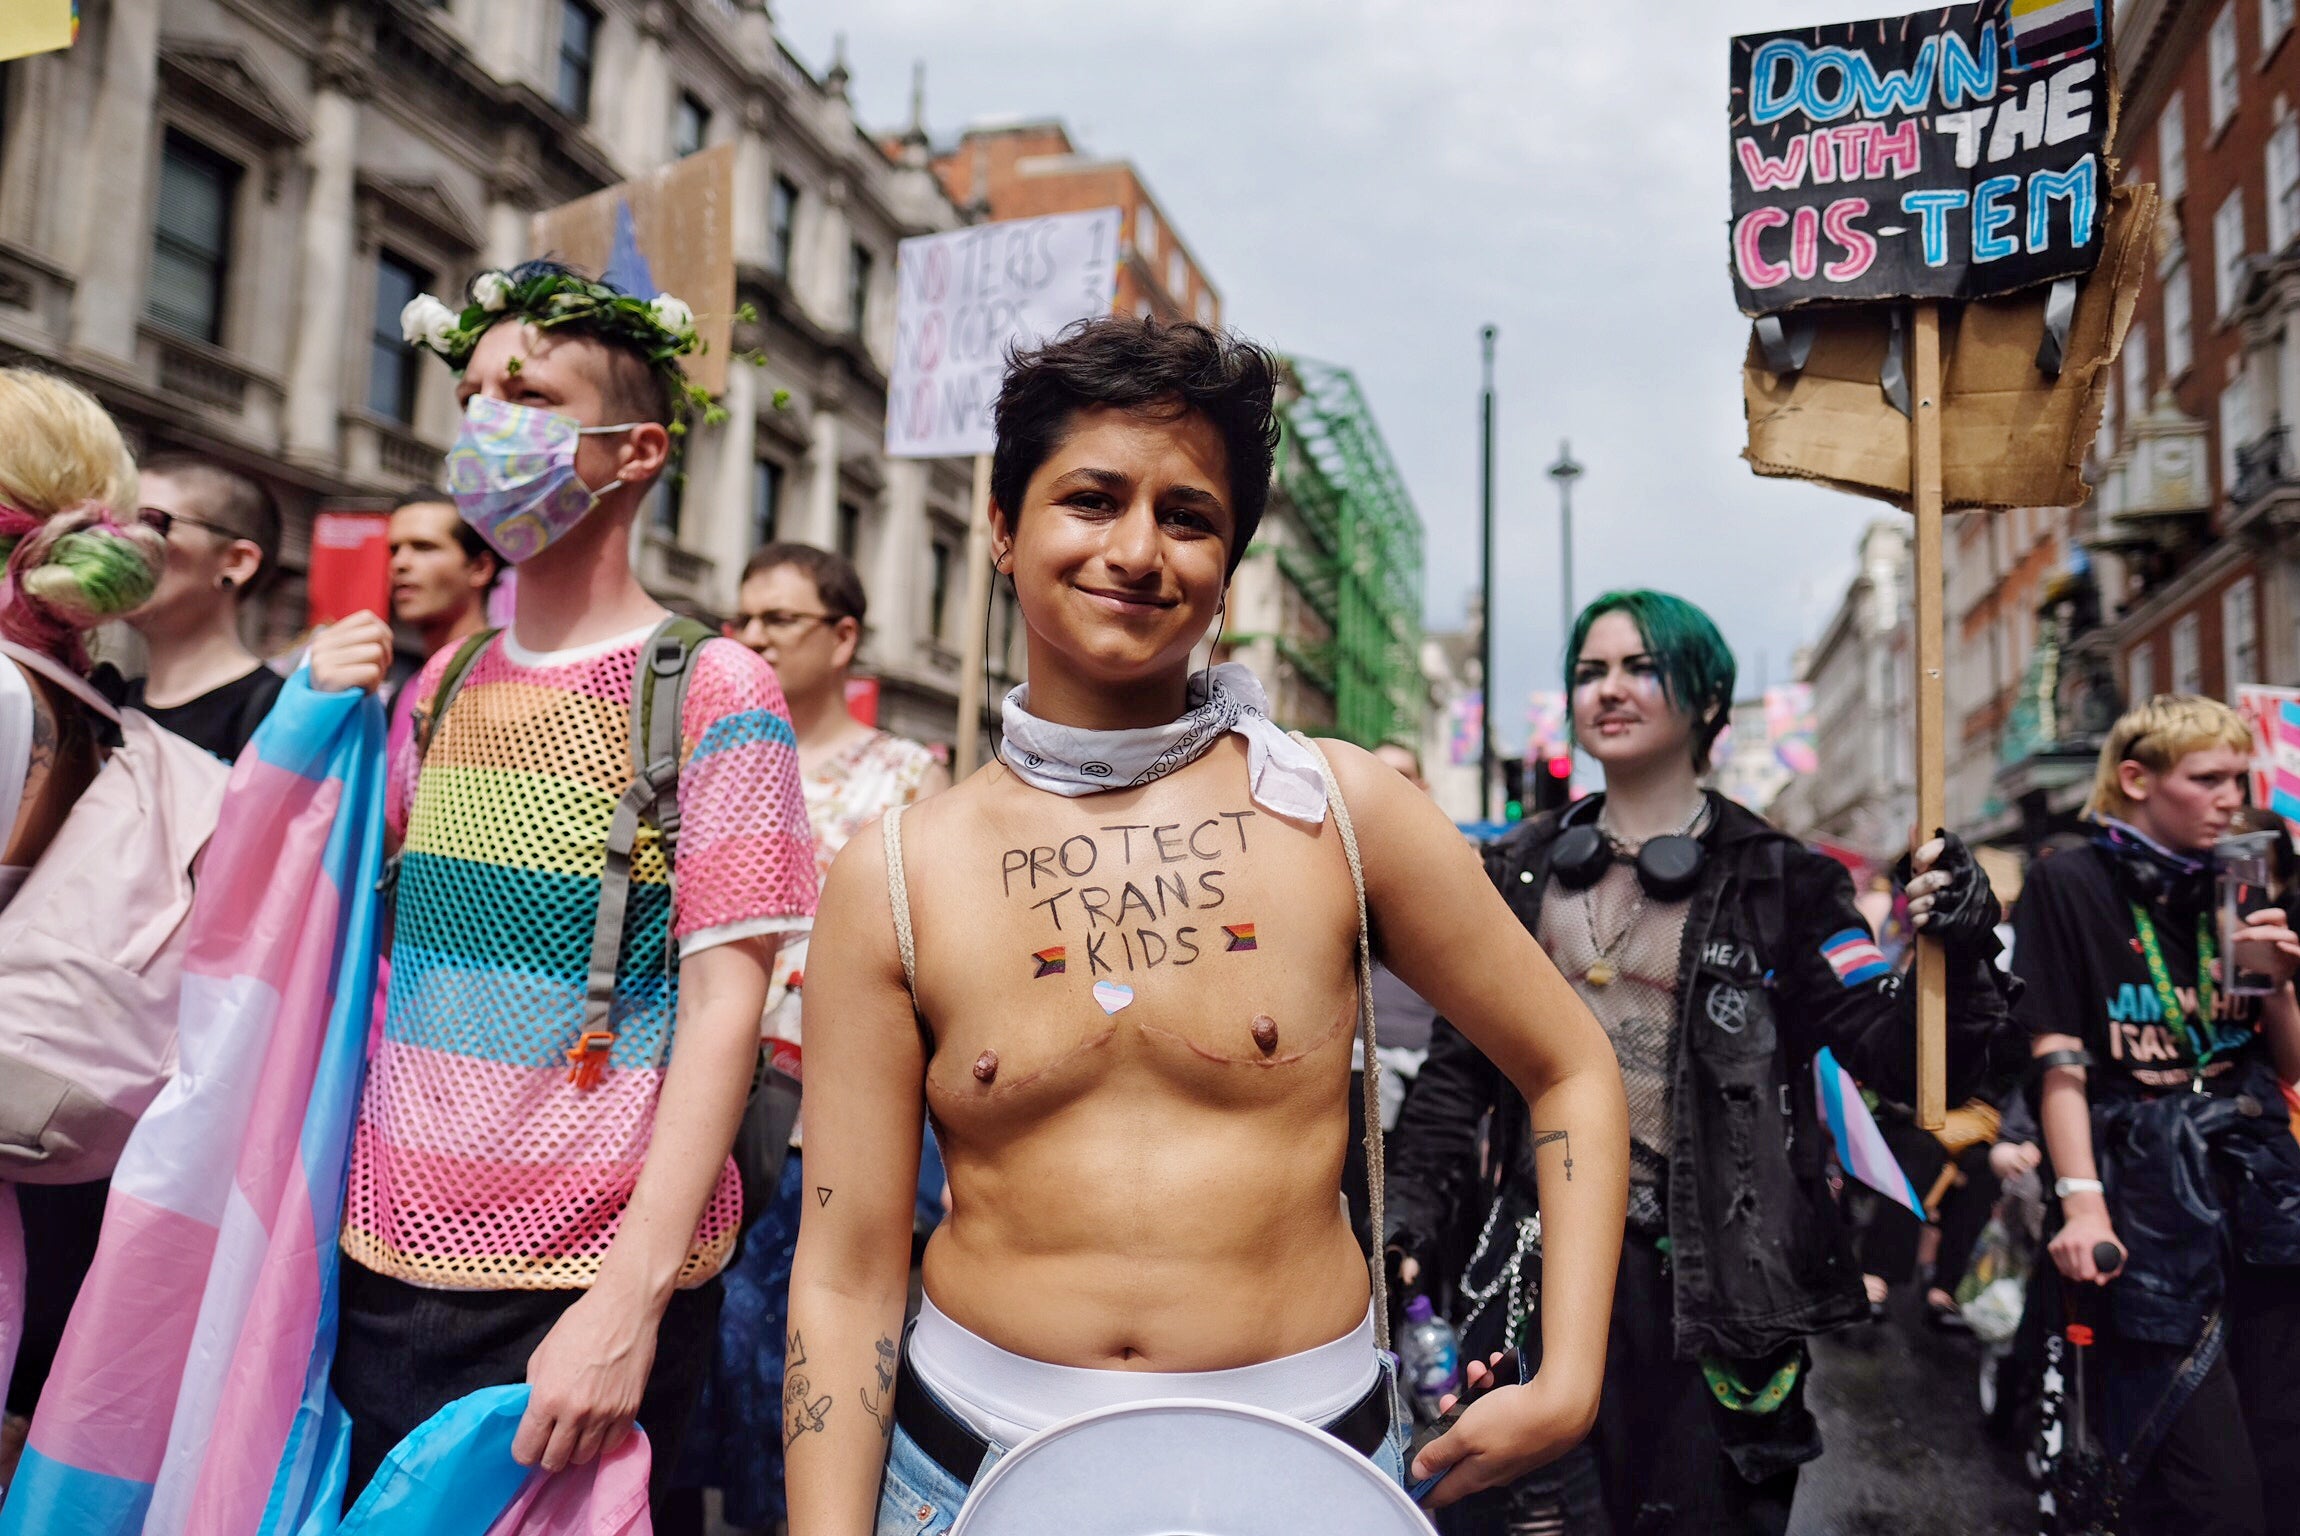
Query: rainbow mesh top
477,1164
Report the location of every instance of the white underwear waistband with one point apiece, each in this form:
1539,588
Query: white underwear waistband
1006,1398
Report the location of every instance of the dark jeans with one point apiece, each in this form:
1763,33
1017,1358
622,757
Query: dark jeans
1666,1458
403,1352
1889,1246
61,1225
2230,1464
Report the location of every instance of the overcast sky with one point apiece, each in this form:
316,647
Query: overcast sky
1367,182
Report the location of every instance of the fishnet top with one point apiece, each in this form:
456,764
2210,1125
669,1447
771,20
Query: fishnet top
477,1164
1638,1007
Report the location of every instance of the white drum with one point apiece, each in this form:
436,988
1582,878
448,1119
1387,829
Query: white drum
1186,1467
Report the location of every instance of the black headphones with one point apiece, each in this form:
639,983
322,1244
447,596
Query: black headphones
2153,880
1668,867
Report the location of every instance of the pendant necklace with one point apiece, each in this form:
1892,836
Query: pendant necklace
1602,971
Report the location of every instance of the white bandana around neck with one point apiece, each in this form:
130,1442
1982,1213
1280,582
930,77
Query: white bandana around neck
1282,775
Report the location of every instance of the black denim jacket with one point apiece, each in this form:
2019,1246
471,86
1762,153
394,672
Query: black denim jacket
1758,1253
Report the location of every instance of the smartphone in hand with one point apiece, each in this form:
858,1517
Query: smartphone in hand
1510,1373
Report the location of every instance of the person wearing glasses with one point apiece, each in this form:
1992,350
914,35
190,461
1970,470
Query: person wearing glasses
801,608
223,534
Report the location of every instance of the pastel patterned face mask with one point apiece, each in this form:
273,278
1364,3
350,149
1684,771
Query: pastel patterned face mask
512,472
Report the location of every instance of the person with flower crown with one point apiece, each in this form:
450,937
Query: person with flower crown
1122,968
540,1187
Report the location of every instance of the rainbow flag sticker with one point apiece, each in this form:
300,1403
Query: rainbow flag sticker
2048,31
1241,937
1051,962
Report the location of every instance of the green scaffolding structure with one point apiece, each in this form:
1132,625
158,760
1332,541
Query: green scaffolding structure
1363,573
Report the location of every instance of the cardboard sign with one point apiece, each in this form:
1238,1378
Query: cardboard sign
350,566
1954,154
968,297
2011,436
670,231
37,26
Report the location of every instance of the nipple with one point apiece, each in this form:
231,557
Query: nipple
986,1066
1265,1032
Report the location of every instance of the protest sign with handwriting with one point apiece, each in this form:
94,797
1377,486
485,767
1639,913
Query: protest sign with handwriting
1952,154
964,298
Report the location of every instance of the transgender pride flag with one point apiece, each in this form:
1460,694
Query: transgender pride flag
1861,1146
190,1395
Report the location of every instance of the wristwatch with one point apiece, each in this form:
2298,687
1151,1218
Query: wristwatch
2063,1188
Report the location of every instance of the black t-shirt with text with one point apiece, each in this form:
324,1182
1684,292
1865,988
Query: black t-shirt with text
220,721
2078,950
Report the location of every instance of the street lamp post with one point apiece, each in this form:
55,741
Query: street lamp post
1565,471
1485,754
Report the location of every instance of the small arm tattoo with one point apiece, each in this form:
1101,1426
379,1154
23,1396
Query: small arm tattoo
1544,1138
881,1407
803,1412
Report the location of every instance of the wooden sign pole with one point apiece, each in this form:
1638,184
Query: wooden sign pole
1932,701
967,750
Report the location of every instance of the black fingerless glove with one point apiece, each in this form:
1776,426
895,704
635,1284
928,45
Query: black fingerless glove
1966,912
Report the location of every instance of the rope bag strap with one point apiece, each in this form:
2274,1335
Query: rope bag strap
1375,1173
898,896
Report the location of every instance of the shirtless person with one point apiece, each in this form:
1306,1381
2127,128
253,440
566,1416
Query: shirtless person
1136,962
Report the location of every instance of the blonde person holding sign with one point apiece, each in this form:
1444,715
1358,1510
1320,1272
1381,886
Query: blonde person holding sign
1121,968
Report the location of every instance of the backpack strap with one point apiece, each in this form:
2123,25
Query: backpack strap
425,722
1376,1175
667,657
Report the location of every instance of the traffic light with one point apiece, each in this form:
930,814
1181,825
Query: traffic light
1553,782
1512,789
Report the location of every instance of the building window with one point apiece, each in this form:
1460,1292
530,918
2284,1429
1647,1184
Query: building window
2172,148
2136,371
2283,184
1178,276
578,43
2140,670
2179,323
2187,658
391,362
2239,637
2228,254
782,223
766,500
1205,307
2235,415
938,591
1146,232
858,289
191,239
850,530
2220,47
691,126
2275,21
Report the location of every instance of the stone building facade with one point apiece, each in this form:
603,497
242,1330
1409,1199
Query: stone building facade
1862,794
211,211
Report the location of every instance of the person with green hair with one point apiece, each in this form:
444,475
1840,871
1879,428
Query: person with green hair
1721,956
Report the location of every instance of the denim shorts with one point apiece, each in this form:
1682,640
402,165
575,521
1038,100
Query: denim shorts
916,1497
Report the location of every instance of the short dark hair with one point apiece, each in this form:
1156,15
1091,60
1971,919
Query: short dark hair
229,499
836,580
635,387
466,537
1150,366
